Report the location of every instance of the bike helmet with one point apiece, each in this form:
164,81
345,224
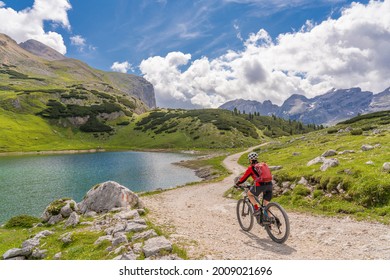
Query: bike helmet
253,156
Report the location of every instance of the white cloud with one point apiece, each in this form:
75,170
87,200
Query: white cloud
342,53
29,23
122,67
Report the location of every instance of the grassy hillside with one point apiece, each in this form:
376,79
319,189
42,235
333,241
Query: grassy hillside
357,186
76,117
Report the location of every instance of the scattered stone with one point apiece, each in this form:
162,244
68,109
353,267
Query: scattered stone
370,162
58,256
329,153
367,147
329,163
137,248
127,215
66,238
346,152
108,195
44,233
90,214
60,209
348,171
73,220
377,145
140,221
39,254
127,256
30,243
119,240
154,245
303,181
316,161
386,167
296,153
171,257
103,238
16,252
119,249
144,235
135,227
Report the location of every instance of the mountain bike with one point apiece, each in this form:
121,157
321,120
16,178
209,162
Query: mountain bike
272,217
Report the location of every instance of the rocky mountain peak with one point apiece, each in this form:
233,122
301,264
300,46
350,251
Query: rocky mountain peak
41,50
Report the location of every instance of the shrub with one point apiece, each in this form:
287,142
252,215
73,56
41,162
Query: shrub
332,130
22,221
93,125
123,123
358,131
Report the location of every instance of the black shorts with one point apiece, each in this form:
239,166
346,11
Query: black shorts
265,188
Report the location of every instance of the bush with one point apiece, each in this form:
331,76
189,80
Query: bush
93,125
22,221
333,130
357,132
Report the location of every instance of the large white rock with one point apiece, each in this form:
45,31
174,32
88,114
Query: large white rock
108,195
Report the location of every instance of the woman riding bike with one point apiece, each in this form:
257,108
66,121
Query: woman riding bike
261,186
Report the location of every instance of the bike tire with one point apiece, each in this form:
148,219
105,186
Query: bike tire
245,214
279,230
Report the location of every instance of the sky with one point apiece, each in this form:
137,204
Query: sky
203,53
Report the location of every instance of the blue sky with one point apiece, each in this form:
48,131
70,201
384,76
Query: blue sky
236,42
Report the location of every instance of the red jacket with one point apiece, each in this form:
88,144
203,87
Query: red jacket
248,172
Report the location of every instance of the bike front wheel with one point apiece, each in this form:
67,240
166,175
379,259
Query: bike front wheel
245,214
279,227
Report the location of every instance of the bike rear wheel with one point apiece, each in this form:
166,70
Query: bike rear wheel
245,214
279,228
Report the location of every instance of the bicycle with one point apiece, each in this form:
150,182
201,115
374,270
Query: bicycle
277,223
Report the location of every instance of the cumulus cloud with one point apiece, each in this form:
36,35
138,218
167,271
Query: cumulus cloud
122,67
349,51
29,23
78,40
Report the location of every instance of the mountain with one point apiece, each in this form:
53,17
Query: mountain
46,67
250,106
41,50
334,106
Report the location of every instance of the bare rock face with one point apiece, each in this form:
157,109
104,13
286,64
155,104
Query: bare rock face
108,195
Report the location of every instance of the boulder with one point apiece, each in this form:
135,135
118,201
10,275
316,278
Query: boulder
316,161
60,209
16,252
386,167
370,162
144,235
108,195
121,238
347,152
329,153
154,245
135,227
73,220
329,163
303,181
367,148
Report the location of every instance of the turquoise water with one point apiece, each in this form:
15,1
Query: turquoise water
29,183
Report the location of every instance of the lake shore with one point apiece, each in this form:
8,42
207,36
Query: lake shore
53,152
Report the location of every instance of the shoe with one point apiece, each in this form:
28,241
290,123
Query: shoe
257,212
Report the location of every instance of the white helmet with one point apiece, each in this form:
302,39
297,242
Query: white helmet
253,156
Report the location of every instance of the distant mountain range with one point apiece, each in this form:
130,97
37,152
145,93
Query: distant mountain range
330,108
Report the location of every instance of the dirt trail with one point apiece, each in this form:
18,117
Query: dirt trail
204,222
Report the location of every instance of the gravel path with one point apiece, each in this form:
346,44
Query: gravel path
199,218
